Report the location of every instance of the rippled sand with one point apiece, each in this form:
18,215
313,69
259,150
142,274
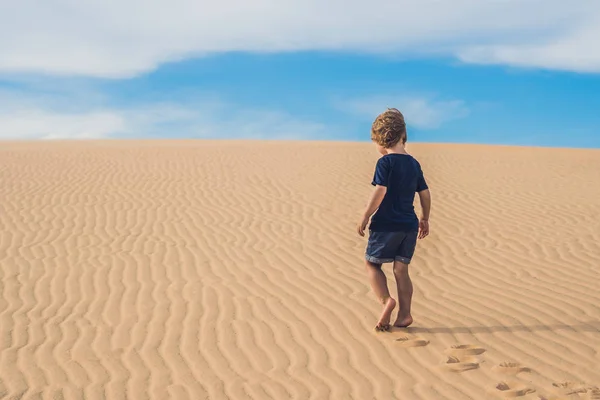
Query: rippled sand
231,270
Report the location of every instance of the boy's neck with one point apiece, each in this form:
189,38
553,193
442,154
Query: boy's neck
397,149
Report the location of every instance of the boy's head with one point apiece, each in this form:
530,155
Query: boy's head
389,129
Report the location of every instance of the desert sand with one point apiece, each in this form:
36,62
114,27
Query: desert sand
232,270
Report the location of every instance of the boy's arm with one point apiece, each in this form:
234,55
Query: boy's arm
425,199
372,206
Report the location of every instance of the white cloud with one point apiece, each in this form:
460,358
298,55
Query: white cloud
27,116
215,120
41,124
120,38
575,50
423,112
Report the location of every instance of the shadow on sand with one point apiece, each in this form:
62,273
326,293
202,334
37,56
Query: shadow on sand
591,326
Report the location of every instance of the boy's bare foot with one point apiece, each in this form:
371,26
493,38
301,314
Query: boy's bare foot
404,322
386,315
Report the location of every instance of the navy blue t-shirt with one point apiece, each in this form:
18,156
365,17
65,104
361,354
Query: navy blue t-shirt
403,177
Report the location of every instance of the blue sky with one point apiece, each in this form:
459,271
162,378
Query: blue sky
522,73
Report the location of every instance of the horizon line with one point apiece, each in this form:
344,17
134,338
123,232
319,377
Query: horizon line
294,140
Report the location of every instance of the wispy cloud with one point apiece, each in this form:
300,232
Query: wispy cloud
124,38
575,50
422,112
25,116
41,124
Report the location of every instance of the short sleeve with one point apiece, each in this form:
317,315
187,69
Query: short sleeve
382,173
421,183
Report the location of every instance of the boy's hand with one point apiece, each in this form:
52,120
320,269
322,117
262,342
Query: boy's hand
423,228
374,203
362,225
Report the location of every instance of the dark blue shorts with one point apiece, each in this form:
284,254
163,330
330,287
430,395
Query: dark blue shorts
387,247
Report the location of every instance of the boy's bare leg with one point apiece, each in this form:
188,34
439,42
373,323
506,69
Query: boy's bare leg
405,292
379,285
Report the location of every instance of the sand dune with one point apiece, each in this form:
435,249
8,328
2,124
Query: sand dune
231,270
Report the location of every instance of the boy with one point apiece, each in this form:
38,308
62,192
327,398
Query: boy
394,227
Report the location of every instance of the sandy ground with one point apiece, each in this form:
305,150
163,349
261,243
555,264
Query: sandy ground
232,270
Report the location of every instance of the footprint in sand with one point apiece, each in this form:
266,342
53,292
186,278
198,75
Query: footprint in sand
572,390
510,368
513,389
456,364
568,388
464,350
406,341
594,393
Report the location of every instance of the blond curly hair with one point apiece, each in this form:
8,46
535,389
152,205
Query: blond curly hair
389,128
